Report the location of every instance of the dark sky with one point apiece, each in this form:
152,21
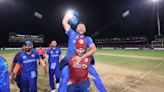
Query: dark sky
103,18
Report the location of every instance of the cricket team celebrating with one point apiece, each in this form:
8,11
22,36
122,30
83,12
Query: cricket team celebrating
72,73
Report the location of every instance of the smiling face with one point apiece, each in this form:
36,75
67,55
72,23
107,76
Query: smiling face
81,29
80,51
53,44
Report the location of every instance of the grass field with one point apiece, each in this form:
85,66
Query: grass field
120,70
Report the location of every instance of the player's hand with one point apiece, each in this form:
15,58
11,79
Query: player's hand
69,82
77,59
90,76
12,81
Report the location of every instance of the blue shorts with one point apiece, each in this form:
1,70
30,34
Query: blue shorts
80,87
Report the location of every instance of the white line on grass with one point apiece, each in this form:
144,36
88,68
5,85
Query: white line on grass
141,77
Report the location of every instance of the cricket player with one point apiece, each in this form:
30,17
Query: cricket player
79,81
41,53
18,76
4,76
72,37
28,60
54,55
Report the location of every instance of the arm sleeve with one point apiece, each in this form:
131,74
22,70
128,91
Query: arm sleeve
70,32
37,55
16,58
98,83
89,41
20,60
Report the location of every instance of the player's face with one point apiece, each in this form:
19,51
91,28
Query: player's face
81,29
53,44
28,48
80,51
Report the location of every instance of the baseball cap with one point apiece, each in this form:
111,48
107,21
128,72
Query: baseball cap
29,43
80,43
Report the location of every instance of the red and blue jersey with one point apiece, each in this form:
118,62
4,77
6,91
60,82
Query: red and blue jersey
79,71
53,55
72,37
28,61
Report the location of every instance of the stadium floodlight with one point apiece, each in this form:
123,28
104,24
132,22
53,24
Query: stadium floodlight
154,0
70,13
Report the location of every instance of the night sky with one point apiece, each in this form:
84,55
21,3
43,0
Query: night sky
103,18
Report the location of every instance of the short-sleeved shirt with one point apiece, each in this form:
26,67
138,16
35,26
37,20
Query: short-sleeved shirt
72,37
53,55
79,71
28,61
41,51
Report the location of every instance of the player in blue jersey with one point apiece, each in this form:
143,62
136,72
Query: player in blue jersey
18,76
4,76
54,55
28,60
72,36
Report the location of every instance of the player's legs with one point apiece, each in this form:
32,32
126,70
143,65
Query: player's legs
72,88
51,78
65,77
57,74
84,86
97,81
92,60
25,85
63,63
18,81
33,82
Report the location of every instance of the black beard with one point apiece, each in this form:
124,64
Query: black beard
28,50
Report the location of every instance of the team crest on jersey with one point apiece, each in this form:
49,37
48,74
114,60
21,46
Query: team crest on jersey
51,52
32,55
24,57
57,52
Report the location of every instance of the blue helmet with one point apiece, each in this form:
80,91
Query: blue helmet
75,19
28,43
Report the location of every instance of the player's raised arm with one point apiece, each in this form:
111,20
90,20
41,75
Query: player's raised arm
65,20
91,51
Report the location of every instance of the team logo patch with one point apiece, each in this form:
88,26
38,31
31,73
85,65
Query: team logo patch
84,66
81,41
32,55
51,52
24,57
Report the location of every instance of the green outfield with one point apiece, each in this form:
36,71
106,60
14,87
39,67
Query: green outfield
117,68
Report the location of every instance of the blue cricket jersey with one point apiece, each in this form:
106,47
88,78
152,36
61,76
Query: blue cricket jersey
4,75
28,61
53,55
72,36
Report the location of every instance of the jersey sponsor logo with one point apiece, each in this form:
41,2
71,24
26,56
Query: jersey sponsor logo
77,65
55,55
29,61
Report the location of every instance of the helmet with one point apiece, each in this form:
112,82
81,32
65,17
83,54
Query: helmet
75,19
29,43
80,43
